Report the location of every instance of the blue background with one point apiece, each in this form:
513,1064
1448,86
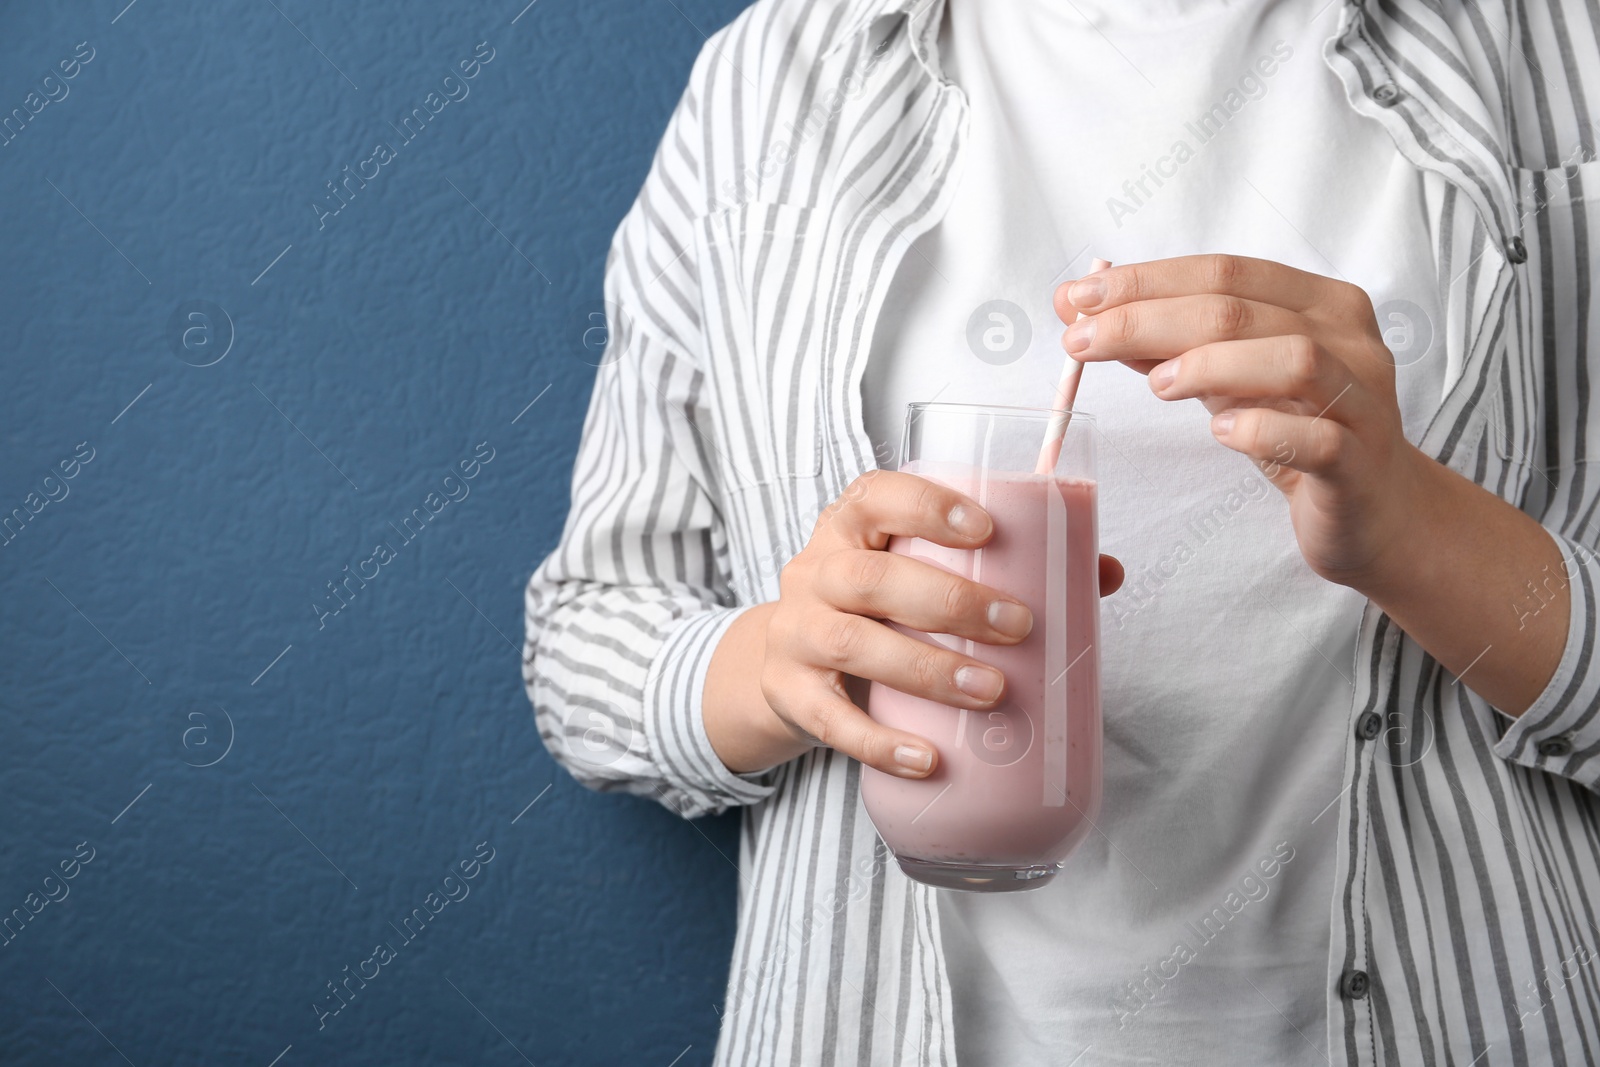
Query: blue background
162,608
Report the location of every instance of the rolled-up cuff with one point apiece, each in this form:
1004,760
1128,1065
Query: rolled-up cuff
697,781
1560,731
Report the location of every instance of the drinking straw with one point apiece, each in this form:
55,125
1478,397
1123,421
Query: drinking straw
1066,393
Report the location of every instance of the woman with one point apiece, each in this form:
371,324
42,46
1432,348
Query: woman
1351,684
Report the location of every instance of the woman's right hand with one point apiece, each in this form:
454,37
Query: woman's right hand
830,624
837,597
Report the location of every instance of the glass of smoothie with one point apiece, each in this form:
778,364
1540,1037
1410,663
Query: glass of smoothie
1016,788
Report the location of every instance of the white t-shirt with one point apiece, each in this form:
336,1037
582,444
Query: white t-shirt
1194,927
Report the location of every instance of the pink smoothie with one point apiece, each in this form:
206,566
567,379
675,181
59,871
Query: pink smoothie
1018,786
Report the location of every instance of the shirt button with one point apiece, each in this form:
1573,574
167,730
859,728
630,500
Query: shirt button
1516,251
1353,986
1386,95
1555,747
1369,726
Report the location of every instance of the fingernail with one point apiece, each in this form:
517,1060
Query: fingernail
1079,335
1167,373
969,522
1087,292
980,683
914,758
1222,424
1010,618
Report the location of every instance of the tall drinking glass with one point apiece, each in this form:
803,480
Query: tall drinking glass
1017,788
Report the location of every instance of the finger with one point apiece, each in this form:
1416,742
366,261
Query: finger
1249,279
920,595
1111,574
1161,329
870,649
1287,367
1312,444
817,710
882,504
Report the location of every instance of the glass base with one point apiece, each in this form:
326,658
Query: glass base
976,877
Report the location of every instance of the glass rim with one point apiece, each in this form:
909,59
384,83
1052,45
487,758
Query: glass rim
1014,410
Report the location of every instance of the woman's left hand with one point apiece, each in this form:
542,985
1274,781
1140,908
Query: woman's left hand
1295,372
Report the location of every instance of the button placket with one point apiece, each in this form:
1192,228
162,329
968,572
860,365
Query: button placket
1354,985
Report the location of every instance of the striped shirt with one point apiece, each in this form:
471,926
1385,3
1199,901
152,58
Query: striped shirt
816,141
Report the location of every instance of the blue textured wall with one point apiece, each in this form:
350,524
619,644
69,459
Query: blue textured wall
158,603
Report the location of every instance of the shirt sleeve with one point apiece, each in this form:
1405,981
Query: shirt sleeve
623,616
1560,732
